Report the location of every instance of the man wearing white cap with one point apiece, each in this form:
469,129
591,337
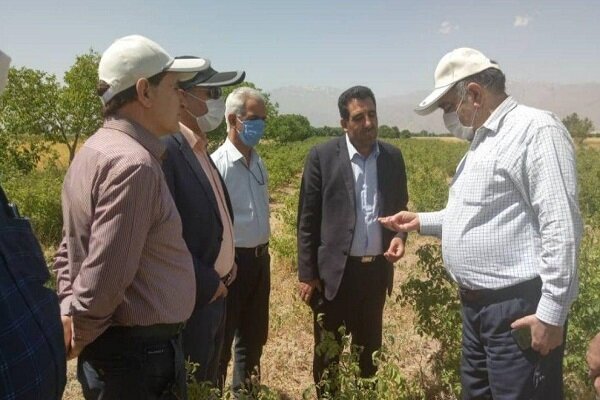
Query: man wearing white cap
203,202
510,231
125,277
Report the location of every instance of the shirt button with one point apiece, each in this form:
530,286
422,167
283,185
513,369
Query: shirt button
345,252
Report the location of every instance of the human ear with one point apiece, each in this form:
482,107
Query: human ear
476,91
142,87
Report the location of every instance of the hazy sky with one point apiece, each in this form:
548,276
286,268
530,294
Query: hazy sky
391,46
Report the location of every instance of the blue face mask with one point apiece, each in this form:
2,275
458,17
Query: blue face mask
253,130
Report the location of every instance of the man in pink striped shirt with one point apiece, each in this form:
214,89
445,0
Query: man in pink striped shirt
125,278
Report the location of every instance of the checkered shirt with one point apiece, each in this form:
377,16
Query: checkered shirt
512,211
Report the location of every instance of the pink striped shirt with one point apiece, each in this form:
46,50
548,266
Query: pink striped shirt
122,260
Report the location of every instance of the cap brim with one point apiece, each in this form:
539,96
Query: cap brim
188,67
430,103
210,77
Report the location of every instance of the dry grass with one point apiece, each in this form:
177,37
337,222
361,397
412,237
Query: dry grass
593,143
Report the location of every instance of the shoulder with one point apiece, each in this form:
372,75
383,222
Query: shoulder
327,147
219,154
535,125
389,148
390,151
117,154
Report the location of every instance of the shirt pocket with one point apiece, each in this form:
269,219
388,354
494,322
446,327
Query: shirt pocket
480,183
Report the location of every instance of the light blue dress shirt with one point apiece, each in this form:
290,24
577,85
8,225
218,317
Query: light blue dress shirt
512,211
367,239
248,192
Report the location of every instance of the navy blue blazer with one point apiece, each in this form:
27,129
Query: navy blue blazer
199,211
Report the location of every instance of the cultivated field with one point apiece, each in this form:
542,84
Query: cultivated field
420,353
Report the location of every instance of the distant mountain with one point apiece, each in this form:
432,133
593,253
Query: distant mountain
319,104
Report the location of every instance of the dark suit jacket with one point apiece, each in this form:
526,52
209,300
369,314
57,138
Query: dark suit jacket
197,205
326,211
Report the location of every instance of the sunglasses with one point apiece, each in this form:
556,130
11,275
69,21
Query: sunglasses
214,93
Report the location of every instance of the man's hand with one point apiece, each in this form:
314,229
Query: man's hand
544,337
74,350
306,289
220,292
395,251
404,221
67,331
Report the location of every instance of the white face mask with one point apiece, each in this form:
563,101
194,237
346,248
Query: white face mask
213,117
455,127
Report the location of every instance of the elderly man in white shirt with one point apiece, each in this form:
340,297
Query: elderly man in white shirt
510,231
245,176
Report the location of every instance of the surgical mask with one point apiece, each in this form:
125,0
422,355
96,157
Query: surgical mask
455,127
213,117
252,131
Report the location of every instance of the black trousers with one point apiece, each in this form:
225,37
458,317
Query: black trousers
247,320
492,365
118,365
358,305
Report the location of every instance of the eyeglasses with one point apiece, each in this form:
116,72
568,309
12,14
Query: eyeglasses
214,92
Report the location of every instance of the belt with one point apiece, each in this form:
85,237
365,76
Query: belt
256,252
364,259
156,331
489,296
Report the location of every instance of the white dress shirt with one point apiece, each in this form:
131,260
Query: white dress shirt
512,211
248,191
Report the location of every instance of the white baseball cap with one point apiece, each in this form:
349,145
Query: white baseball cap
454,67
4,64
134,57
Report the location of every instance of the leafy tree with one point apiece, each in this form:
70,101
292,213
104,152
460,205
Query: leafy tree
578,127
35,103
405,134
328,131
288,128
387,132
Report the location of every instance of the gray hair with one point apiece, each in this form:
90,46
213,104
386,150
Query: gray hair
236,101
492,79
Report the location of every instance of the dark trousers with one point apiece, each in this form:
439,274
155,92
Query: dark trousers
119,366
203,340
492,365
247,318
358,305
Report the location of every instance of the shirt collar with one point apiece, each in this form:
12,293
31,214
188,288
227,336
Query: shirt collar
232,151
352,150
498,114
137,133
195,141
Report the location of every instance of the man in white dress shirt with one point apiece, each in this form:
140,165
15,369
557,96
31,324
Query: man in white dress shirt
510,231
246,179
